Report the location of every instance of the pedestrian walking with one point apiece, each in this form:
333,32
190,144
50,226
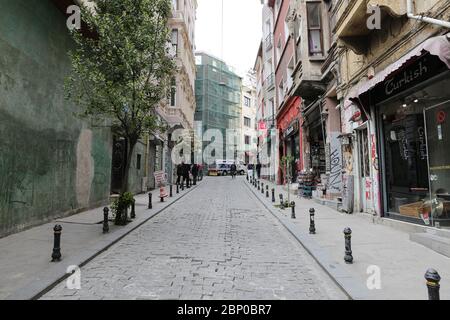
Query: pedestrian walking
233,170
258,170
194,173
186,172
179,172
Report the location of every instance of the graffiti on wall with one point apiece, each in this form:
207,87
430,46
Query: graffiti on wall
335,163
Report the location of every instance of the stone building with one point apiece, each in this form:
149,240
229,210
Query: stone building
393,59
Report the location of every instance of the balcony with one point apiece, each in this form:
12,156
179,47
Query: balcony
307,79
268,43
351,27
269,82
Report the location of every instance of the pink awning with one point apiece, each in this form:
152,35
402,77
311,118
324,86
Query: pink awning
438,46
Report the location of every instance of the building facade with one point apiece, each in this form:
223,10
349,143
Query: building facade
219,111
394,107
179,107
248,146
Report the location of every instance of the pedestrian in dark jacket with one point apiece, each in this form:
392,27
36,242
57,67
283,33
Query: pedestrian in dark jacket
186,170
179,173
258,170
195,173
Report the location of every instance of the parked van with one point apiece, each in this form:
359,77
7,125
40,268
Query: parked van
223,167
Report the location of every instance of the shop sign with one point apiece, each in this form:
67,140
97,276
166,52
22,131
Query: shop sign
292,129
422,69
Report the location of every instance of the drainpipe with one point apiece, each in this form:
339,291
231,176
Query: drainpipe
411,15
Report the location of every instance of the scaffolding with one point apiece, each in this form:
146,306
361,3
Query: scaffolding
218,97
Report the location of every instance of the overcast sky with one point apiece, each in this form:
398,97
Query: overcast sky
242,31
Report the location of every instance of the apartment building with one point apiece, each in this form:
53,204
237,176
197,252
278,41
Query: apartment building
393,61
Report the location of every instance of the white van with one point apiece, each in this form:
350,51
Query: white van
224,167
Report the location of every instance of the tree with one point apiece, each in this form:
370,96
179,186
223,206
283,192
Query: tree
122,70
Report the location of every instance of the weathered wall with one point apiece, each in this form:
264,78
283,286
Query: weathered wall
51,163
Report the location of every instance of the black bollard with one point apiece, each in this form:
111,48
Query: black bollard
56,255
348,246
293,210
171,192
133,210
312,223
433,278
262,188
281,200
247,176
105,220
267,191
150,205
273,195
178,188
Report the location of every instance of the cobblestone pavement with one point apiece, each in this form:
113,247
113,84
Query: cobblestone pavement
217,243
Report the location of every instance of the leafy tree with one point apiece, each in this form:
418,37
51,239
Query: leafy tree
122,66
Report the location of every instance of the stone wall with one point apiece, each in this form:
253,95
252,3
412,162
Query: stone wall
51,163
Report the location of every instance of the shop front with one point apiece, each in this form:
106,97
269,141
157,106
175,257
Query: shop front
289,140
411,110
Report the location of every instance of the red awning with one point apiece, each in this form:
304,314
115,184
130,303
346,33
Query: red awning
437,46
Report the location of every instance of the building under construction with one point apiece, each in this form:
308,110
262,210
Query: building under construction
218,95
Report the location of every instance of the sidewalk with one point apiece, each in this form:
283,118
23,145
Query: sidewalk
402,262
26,270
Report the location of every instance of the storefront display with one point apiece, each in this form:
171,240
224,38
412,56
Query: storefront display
415,133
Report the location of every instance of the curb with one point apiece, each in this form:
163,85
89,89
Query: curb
350,285
58,273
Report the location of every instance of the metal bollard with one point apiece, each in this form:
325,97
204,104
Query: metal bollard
259,185
105,220
133,210
267,191
262,188
348,246
293,210
281,200
433,278
56,255
312,223
273,195
171,192
247,176
150,205
178,188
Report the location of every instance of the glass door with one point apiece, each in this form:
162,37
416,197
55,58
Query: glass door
437,120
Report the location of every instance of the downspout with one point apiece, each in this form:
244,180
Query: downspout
411,15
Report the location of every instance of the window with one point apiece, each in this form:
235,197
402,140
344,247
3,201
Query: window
247,101
138,162
175,41
175,4
247,139
247,122
173,92
314,29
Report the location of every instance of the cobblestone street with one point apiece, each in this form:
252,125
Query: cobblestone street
217,243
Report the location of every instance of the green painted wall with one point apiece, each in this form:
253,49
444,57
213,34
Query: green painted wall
51,163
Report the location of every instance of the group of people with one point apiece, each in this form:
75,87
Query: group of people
187,174
252,168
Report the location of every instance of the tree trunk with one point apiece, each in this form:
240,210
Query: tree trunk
130,149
